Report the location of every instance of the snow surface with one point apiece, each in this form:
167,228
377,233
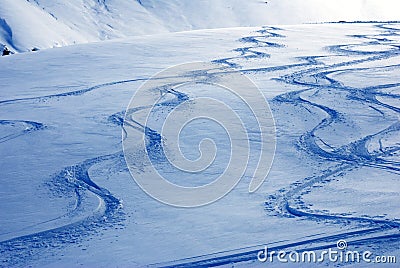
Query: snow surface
24,26
27,24
67,198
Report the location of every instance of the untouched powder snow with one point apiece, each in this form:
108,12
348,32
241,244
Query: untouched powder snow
25,24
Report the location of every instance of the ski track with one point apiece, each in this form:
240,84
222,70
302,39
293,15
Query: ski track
26,127
286,202
71,93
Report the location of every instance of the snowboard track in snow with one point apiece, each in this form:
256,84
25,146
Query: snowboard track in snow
24,126
286,202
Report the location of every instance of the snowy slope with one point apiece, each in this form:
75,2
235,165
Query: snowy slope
47,23
68,200
200,14
24,26
104,19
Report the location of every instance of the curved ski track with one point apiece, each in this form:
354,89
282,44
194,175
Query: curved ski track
287,202
75,179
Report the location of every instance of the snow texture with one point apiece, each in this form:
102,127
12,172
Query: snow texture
67,198
28,24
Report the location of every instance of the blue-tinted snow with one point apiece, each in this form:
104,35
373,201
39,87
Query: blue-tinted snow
67,198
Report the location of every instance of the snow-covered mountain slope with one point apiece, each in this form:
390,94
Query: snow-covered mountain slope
104,19
24,26
67,198
47,23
